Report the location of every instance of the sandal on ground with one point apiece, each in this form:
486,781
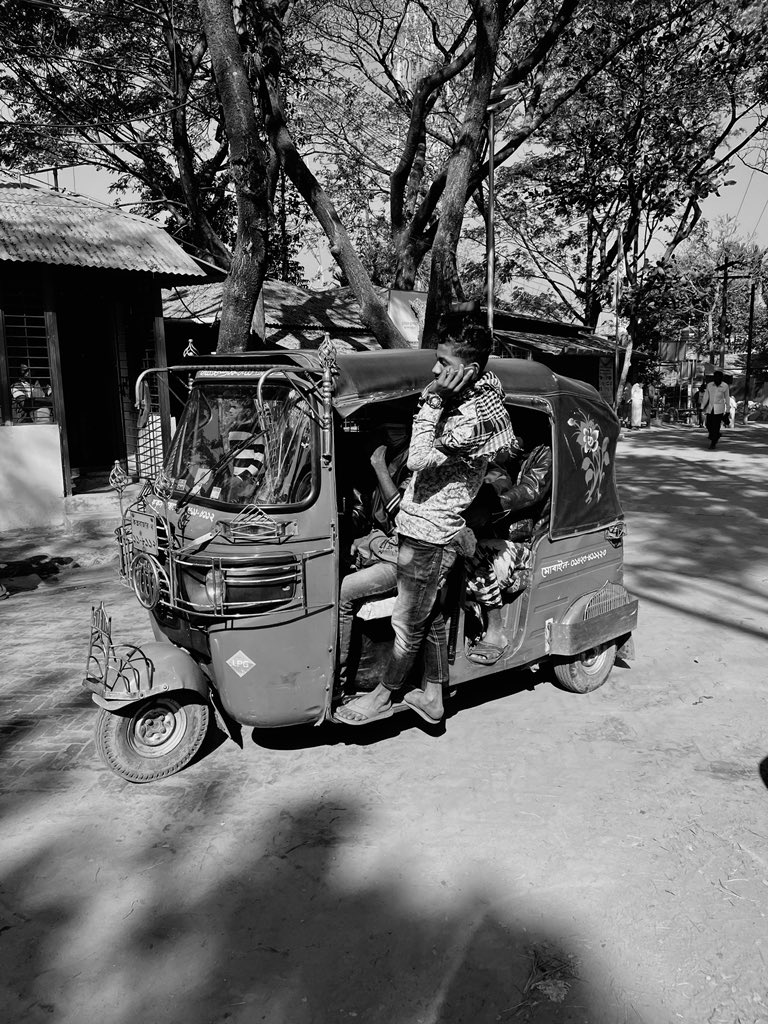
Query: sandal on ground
484,653
420,710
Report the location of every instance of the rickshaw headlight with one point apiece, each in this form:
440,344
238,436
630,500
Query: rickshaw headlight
214,587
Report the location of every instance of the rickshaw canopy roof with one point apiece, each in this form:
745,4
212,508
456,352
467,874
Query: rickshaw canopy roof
585,427
370,377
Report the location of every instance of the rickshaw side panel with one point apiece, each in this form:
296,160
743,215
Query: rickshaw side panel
563,572
277,670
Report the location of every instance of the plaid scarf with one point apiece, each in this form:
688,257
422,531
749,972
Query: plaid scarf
494,433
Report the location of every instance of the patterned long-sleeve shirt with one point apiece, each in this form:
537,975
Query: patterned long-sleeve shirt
449,456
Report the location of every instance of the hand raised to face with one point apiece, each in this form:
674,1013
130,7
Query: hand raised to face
379,455
452,380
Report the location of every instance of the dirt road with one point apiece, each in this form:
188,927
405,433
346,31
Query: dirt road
551,858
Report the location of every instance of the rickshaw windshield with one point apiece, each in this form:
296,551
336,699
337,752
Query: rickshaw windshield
231,453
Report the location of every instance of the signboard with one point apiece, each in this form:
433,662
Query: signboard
144,532
672,351
605,379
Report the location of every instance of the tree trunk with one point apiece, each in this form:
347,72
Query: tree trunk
461,164
248,167
624,372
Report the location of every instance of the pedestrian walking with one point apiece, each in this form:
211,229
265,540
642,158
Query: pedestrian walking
717,403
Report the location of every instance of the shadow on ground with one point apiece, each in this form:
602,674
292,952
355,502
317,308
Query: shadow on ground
29,573
276,929
703,529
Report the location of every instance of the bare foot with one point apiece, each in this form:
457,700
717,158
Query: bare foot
427,706
371,707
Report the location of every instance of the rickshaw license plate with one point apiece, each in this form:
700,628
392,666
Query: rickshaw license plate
144,532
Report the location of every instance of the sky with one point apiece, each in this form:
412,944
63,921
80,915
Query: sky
747,201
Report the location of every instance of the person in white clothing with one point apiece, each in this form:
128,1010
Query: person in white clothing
717,402
636,419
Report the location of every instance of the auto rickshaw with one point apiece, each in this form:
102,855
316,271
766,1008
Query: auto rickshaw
235,550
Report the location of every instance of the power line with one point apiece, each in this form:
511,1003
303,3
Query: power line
745,194
757,224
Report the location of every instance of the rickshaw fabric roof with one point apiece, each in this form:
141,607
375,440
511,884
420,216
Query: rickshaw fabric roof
584,427
369,377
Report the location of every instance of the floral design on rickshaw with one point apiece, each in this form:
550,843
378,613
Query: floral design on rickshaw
595,452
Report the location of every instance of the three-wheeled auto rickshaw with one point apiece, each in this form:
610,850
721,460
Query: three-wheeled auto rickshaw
235,548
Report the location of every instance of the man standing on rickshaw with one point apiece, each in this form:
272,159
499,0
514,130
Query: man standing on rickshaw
461,424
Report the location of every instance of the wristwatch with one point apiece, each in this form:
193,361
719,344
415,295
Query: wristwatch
433,401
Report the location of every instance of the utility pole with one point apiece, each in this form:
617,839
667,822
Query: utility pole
750,331
616,300
724,313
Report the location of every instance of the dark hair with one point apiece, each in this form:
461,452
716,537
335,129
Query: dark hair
717,374
469,339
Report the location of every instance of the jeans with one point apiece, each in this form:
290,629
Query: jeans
374,581
417,616
714,420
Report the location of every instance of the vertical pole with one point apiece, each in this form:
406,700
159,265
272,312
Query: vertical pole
6,405
724,313
163,394
747,365
616,297
490,241
57,383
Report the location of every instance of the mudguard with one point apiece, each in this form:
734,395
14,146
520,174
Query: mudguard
610,614
135,673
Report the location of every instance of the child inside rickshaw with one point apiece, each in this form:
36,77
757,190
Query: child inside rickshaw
224,457
507,517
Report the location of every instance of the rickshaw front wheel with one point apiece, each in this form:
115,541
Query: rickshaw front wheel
153,739
586,671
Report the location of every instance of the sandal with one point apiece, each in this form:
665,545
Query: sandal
484,653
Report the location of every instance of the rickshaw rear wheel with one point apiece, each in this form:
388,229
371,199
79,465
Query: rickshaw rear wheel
153,739
586,671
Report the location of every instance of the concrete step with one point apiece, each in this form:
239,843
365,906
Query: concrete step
96,513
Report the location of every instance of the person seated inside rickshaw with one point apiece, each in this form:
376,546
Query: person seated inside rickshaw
507,517
201,463
373,554
244,442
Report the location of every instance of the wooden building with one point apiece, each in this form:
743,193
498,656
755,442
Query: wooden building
80,317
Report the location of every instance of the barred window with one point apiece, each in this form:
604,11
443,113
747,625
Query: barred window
29,367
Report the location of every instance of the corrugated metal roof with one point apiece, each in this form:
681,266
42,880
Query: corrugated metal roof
286,306
555,344
39,225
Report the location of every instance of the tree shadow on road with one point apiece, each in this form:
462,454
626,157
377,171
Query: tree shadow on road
271,921
703,521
